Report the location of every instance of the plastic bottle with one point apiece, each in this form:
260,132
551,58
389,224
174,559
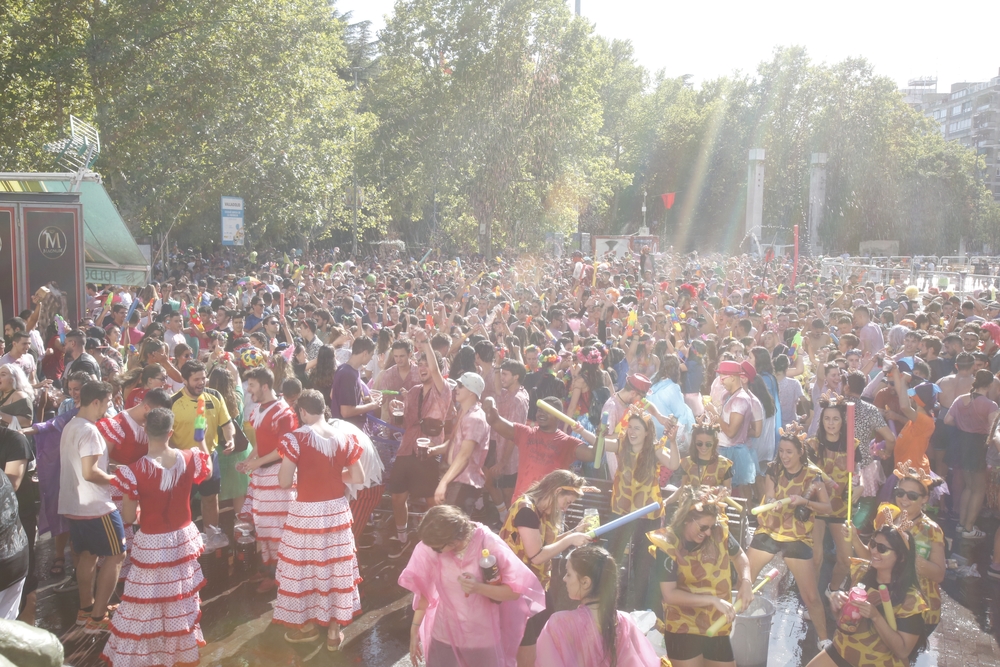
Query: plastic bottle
850,616
490,570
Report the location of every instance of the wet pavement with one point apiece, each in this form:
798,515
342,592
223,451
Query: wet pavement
236,619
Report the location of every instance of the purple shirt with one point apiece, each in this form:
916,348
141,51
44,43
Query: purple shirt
348,389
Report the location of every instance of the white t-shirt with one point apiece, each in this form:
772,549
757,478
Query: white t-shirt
173,340
26,362
77,496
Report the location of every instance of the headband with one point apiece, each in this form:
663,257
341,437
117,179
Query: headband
893,517
905,470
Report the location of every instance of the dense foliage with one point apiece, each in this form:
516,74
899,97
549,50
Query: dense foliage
466,125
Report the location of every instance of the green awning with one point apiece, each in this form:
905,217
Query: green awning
107,242
111,255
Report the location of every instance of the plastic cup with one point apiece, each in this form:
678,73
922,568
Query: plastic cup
423,445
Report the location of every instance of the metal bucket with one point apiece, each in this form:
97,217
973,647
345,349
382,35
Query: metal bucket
752,632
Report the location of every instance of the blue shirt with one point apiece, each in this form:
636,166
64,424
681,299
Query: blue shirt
348,389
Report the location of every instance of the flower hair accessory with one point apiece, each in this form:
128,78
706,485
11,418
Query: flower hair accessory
906,470
594,356
890,515
549,358
691,290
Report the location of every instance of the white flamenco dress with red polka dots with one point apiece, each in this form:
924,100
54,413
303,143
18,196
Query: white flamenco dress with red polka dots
318,573
157,622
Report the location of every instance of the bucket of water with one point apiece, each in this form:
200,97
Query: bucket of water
752,632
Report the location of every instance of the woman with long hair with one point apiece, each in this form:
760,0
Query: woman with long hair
788,529
462,625
665,392
533,531
383,353
321,375
696,552
543,382
595,634
703,466
911,495
138,382
640,355
588,390
637,484
234,483
874,643
974,416
765,388
17,398
828,450
279,364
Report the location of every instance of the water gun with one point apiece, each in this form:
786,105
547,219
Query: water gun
430,321
715,627
630,322
195,320
107,302
200,423
796,344
602,429
61,328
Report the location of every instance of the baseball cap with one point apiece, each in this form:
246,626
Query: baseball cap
473,382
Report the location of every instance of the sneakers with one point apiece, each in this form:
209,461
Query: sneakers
974,534
821,644
214,538
82,616
96,626
398,551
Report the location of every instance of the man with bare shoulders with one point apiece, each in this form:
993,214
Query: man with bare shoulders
952,386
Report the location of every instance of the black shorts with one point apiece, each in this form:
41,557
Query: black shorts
212,485
537,622
688,647
100,536
491,455
798,549
417,477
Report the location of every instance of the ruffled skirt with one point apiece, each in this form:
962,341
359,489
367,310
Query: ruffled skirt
318,572
157,622
268,503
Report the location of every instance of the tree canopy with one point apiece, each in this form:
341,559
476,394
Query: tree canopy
466,126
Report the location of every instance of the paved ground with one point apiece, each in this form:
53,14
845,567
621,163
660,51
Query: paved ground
236,620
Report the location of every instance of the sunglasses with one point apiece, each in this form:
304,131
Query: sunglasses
881,548
705,528
703,443
912,495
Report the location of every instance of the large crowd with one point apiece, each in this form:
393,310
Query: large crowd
306,392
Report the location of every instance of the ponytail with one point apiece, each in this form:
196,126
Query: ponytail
597,564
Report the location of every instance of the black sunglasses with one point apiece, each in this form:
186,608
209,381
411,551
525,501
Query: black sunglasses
912,495
703,443
705,528
881,548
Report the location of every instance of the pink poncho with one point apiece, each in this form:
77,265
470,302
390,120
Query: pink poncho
473,631
572,639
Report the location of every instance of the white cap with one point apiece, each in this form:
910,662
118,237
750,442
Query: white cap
473,382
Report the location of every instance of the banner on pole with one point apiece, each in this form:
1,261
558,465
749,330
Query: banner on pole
232,221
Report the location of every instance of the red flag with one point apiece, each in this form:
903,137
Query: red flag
668,199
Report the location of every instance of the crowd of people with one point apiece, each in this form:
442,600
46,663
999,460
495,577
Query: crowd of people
266,384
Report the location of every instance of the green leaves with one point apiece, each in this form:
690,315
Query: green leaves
474,126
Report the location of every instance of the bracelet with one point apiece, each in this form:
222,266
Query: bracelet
415,625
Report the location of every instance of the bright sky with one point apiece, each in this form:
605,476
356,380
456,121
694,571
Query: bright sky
903,40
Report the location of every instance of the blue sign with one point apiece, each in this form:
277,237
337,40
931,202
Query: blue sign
232,221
